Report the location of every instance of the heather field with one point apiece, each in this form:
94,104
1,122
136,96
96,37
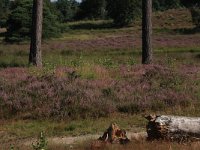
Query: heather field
93,75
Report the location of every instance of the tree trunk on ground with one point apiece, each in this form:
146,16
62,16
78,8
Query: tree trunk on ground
35,56
146,31
173,128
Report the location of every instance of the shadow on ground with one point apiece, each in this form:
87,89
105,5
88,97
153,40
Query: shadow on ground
198,56
187,30
89,26
11,64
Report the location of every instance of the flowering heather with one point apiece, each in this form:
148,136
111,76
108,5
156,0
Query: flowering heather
125,42
66,94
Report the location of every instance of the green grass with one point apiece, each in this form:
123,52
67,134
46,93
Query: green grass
133,123
105,57
28,128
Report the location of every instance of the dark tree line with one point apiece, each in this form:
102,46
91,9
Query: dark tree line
4,12
122,12
92,9
67,9
19,21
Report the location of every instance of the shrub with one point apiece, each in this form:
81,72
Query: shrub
67,9
194,6
70,96
41,143
165,4
123,12
4,11
196,16
190,3
20,21
92,9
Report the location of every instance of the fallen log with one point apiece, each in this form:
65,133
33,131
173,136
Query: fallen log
173,128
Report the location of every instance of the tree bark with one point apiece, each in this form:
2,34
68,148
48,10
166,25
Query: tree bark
173,128
146,32
35,56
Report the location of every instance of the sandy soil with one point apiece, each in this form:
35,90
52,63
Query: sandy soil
70,140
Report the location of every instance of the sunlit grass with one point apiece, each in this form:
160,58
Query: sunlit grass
30,128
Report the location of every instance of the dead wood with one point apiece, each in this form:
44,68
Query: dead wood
173,128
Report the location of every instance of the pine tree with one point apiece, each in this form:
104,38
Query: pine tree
147,31
35,56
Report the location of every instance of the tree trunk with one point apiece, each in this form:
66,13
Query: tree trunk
146,31
35,56
173,128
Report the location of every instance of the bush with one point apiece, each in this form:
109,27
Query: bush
20,21
67,9
92,9
41,143
194,6
64,94
4,11
123,12
162,5
196,16
190,3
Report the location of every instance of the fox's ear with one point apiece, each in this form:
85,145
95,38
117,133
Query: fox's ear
158,116
124,131
148,117
151,117
112,125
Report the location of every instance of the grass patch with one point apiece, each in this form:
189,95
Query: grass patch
30,128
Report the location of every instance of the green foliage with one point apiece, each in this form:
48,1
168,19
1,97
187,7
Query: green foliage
190,3
11,147
92,9
196,16
4,11
123,12
162,5
20,21
194,6
51,26
107,62
67,9
41,143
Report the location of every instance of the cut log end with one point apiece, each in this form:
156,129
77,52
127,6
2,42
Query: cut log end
173,128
